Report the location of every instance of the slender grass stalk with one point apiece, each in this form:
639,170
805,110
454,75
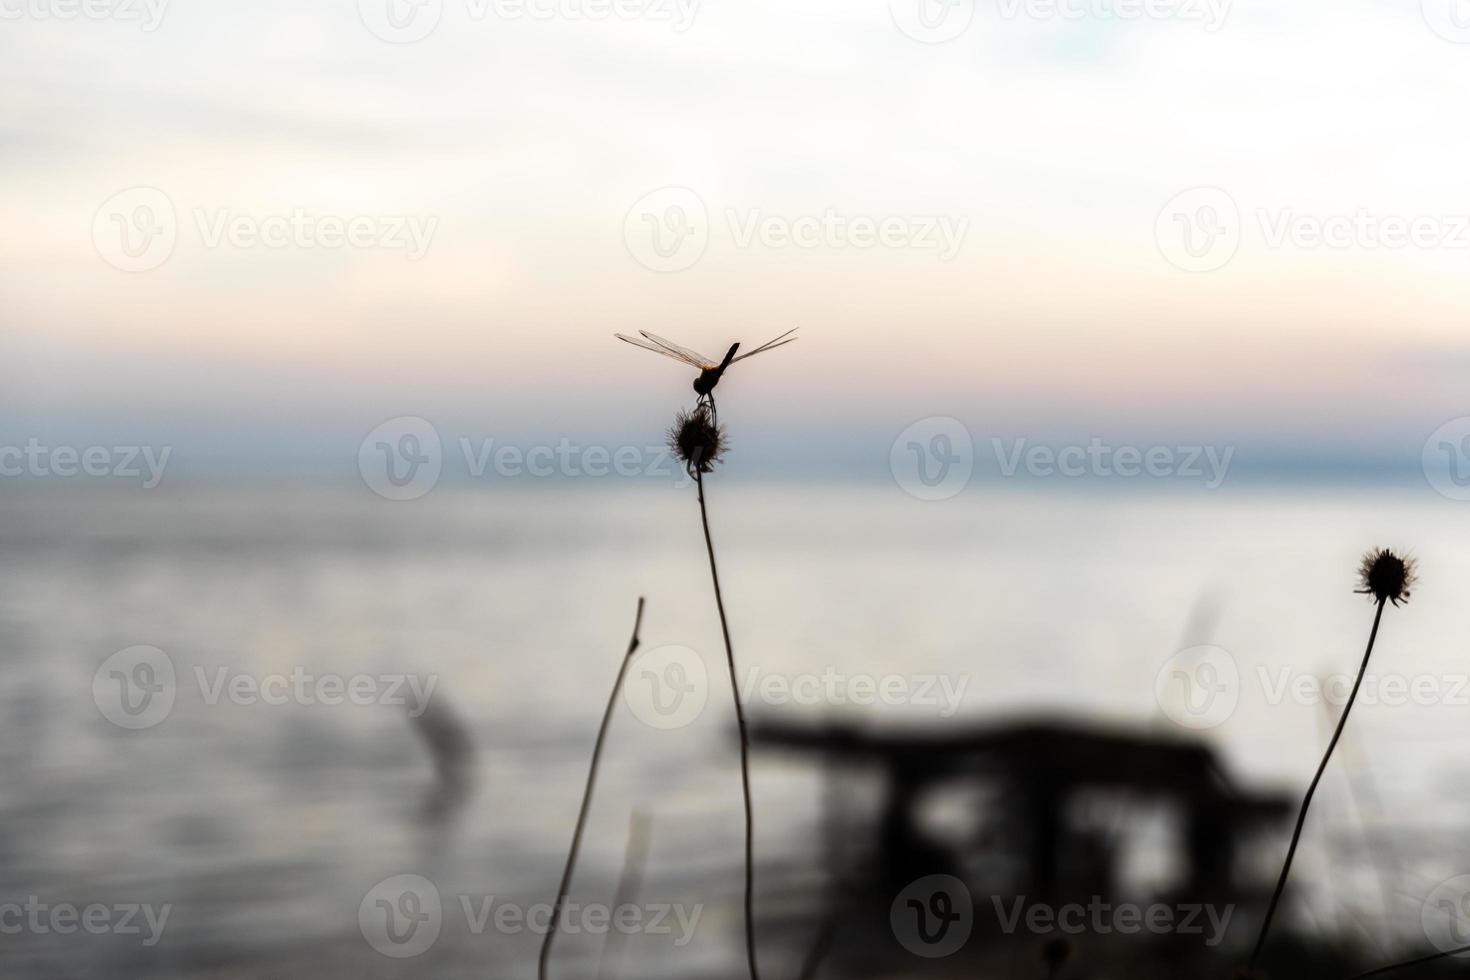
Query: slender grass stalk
566,875
1301,817
714,572
1395,967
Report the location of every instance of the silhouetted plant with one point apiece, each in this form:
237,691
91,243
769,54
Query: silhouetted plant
699,442
697,439
1385,577
566,876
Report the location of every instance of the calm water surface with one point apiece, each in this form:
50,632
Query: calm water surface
263,826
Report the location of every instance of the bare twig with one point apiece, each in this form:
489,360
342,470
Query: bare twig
566,876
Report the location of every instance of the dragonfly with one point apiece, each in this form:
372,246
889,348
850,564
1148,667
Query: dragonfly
710,370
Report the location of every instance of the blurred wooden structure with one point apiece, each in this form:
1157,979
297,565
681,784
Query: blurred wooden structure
1039,765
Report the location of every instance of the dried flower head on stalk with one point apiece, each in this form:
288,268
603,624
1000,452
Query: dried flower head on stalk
699,442
697,439
1386,577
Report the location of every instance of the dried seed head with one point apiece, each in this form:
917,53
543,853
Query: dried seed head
697,440
1386,577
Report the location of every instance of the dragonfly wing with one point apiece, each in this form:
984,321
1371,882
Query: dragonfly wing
692,357
771,344
646,345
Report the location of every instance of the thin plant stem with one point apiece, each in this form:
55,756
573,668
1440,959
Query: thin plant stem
744,737
1394,967
566,875
1301,817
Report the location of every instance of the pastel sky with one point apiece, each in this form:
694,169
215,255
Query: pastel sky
1052,139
